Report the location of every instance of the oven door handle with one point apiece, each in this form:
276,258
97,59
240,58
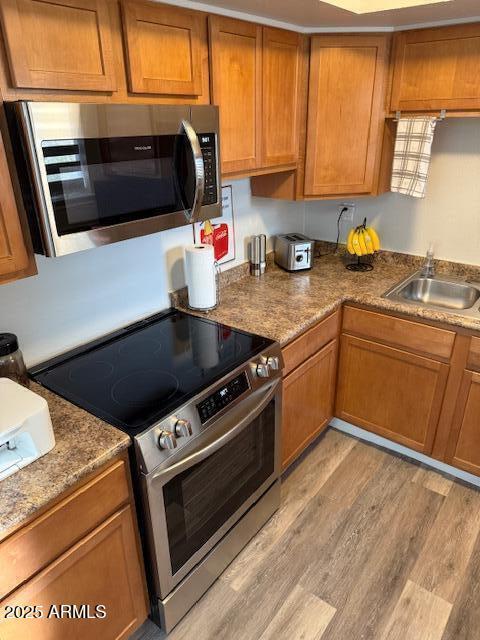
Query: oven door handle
227,433
192,215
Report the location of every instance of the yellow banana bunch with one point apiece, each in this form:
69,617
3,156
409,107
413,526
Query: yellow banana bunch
362,241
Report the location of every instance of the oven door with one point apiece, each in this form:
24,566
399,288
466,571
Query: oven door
103,173
195,500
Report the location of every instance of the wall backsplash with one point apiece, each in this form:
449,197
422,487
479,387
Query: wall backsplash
81,296
449,215
84,295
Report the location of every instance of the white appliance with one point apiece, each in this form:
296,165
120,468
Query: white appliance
26,431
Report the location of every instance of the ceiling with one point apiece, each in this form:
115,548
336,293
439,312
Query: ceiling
315,14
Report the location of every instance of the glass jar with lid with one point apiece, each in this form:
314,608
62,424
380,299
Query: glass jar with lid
11,359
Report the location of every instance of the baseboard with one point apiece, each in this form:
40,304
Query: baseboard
352,430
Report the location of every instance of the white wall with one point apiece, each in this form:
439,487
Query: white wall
78,297
84,295
449,215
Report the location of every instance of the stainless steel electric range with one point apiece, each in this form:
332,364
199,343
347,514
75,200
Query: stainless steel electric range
202,403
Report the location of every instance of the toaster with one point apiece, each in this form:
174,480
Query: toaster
294,251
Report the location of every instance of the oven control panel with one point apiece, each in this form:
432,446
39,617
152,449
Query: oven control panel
222,397
208,145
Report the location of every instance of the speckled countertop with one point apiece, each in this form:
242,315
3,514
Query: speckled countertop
279,305
282,305
83,443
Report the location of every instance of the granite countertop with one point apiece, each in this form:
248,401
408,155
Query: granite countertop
279,305
83,443
282,305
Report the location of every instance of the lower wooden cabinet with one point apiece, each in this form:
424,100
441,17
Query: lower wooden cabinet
464,444
398,378
102,569
391,392
81,553
308,400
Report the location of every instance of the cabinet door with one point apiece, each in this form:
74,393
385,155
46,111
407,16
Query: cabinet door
103,568
308,398
390,392
59,44
15,259
464,444
164,48
437,69
281,99
345,113
236,76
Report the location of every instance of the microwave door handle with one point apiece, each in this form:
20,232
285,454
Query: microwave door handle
192,215
227,434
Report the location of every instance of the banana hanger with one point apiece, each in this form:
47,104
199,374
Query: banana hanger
359,265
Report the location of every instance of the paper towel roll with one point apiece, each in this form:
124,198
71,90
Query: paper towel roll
200,276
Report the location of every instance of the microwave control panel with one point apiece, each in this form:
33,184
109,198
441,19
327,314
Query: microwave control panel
208,145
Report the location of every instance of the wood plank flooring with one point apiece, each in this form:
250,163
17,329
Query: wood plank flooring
366,546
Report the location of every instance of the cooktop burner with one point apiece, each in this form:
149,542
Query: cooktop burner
136,376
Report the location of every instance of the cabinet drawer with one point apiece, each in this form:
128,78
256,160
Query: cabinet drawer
101,569
413,336
310,342
474,355
34,546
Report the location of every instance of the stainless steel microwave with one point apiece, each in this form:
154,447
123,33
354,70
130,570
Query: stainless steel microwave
93,174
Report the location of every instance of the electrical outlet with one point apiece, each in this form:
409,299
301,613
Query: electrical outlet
347,215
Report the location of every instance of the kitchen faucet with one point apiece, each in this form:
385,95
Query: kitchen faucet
428,269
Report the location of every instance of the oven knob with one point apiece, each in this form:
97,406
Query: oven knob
273,362
183,428
262,370
167,440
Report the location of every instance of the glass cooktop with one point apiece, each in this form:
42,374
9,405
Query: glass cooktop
136,376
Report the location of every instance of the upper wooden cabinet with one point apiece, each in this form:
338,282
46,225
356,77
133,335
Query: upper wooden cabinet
282,84
164,48
345,113
236,76
59,44
437,69
256,80
16,260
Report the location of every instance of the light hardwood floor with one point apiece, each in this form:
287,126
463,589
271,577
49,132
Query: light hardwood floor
366,545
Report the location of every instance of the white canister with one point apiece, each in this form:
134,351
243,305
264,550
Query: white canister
200,274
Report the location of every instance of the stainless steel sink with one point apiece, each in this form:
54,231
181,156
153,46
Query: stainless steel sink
438,292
